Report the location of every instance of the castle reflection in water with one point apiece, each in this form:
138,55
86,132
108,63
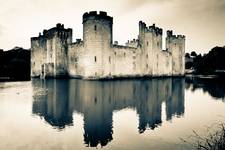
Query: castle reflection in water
56,100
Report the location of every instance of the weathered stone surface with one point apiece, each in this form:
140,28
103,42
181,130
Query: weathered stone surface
97,57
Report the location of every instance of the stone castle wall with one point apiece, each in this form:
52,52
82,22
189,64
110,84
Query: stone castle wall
50,48
97,57
38,55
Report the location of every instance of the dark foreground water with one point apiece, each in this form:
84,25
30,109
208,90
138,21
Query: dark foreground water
127,114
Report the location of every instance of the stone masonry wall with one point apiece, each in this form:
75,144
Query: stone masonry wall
51,47
76,59
54,54
38,55
176,45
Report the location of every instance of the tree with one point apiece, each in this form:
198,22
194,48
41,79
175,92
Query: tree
187,55
193,54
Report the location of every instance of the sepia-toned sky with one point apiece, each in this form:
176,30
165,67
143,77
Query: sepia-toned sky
202,21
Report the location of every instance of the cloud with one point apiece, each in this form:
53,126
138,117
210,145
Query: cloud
2,28
202,21
131,5
134,4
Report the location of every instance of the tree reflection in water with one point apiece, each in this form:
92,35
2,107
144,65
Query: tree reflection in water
214,86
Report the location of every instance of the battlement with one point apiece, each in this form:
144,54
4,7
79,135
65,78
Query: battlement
166,51
152,29
122,47
170,34
59,26
155,29
142,24
40,37
58,29
132,43
93,15
78,42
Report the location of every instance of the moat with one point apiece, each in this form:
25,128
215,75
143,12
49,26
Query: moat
121,114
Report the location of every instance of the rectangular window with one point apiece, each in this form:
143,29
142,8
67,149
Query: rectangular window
109,59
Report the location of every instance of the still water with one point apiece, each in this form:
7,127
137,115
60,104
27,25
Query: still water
123,114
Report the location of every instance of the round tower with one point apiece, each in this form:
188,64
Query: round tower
97,36
97,28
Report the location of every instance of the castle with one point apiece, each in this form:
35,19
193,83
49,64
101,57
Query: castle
53,54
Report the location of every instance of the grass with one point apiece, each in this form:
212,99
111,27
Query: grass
214,140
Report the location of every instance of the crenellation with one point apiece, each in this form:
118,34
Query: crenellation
176,45
172,36
154,29
93,15
45,32
124,47
169,33
78,43
180,36
116,42
102,13
59,30
132,43
95,57
142,24
166,52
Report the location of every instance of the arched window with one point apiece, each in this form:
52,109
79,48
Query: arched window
95,28
95,59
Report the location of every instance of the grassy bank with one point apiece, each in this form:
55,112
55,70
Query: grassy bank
214,140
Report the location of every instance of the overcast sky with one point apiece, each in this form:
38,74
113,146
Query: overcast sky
202,21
